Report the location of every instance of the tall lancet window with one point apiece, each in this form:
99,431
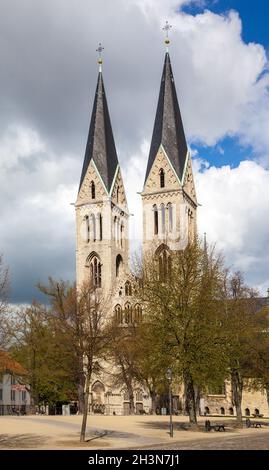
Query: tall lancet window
163,257
100,227
162,178
155,220
93,227
118,194
170,216
95,270
92,185
163,217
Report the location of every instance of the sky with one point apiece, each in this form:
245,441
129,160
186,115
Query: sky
219,54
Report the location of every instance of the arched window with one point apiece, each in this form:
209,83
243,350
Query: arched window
121,234
231,411
99,228
115,227
162,178
163,217
247,412
163,256
95,266
138,313
207,410
139,395
119,265
118,193
156,222
87,228
170,216
128,313
222,411
256,411
128,288
118,314
93,227
92,185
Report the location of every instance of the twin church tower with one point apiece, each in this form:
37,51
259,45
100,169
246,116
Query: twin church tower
168,195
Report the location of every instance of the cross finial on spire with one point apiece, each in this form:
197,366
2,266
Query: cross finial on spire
100,60
167,28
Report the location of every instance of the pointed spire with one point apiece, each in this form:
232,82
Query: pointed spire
100,145
168,127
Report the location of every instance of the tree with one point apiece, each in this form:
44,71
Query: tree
4,288
182,295
240,328
91,338
36,344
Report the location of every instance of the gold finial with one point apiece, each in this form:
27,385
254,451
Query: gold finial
167,28
100,60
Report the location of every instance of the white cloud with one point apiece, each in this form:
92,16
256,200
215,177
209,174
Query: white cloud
234,214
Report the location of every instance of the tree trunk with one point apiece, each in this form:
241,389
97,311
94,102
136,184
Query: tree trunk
81,386
190,398
237,390
267,392
153,396
85,411
131,398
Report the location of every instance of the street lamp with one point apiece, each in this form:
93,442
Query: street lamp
169,379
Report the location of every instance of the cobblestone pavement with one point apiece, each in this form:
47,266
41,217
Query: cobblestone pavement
257,442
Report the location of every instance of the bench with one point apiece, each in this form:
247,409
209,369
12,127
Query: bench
253,424
214,427
257,415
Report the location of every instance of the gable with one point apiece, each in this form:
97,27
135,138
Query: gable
84,195
153,180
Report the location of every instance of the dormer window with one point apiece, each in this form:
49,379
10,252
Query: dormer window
92,185
162,179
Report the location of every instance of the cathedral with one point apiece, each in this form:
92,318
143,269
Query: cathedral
169,220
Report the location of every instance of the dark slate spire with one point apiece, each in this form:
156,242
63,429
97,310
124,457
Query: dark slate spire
168,128
100,145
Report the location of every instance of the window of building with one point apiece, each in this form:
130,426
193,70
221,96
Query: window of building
87,228
156,222
128,288
121,235
92,185
1,394
93,227
118,193
23,395
139,395
170,216
12,395
118,313
222,411
99,227
138,313
247,412
231,411
95,270
162,178
163,217
12,380
165,264
128,313
119,265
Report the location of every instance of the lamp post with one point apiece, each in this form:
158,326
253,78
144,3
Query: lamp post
169,379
